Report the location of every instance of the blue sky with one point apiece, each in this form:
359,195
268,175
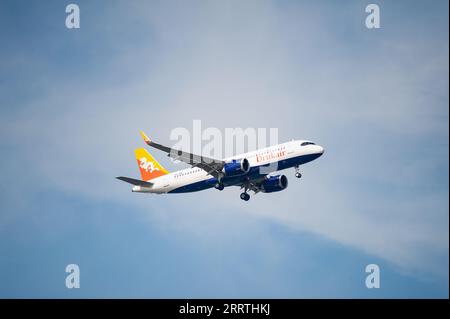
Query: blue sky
72,102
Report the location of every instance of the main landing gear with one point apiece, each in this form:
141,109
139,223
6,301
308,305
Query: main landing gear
297,172
245,196
219,186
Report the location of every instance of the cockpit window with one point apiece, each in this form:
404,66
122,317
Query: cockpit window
308,143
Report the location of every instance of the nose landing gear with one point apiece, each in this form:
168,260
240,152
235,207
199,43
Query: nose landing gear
297,172
219,186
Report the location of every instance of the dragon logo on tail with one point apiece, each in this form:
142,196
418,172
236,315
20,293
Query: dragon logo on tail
146,165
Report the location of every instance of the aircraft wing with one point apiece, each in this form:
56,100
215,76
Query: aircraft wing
209,165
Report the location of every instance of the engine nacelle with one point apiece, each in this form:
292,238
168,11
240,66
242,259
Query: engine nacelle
274,184
236,167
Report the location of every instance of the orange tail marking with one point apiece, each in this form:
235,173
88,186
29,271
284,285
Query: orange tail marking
148,166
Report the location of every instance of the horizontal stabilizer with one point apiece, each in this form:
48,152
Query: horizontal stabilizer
136,182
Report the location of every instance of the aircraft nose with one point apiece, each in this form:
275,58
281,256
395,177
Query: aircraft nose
320,150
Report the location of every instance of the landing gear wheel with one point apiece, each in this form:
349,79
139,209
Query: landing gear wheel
245,196
297,172
219,186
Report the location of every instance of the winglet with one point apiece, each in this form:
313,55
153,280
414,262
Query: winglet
145,137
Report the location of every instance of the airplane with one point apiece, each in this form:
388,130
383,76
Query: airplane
251,171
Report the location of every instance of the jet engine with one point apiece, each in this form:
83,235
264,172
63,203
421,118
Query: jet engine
236,167
274,183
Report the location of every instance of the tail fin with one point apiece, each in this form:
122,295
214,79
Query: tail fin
148,166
